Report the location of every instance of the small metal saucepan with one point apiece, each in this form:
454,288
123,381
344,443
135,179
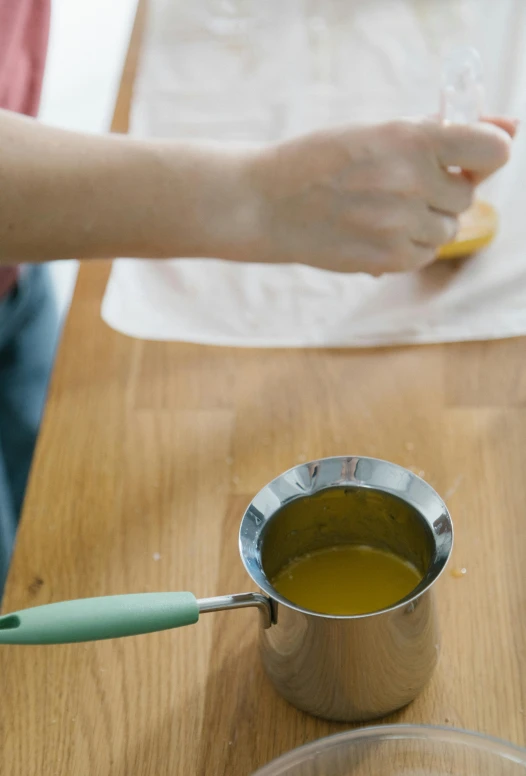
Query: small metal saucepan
345,668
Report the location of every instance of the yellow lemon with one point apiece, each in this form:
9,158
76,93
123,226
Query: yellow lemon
478,227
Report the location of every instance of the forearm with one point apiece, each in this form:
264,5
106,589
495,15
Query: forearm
354,199
65,195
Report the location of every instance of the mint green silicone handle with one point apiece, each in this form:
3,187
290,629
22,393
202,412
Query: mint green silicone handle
91,619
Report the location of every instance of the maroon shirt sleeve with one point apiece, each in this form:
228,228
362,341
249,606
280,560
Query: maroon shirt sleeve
24,32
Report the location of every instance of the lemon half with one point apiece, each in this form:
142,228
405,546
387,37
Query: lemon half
478,227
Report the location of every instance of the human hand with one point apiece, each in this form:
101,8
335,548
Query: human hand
372,199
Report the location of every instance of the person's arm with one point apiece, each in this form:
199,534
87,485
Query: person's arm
359,198
68,195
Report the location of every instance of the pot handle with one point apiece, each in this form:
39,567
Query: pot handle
112,617
91,619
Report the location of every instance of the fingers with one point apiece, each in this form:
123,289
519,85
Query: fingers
417,244
420,256
434,229
409,257
480,149
508,125
452,193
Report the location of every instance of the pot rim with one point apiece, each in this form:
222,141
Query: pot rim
364,472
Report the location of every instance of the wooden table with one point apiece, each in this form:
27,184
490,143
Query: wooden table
149,454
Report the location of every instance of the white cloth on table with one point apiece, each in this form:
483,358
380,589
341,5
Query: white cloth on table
245,71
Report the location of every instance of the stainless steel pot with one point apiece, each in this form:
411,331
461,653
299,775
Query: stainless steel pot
359,667
345,668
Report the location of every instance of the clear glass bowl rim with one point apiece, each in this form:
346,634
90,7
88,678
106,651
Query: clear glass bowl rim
438,733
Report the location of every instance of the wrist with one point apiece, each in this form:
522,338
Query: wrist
232,205
208,203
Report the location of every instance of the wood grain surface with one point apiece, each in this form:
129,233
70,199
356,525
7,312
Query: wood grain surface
148,455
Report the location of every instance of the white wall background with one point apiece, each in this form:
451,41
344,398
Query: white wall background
88,45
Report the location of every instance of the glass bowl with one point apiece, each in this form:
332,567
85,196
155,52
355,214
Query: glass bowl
402,750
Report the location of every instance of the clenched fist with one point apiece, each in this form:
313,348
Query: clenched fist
372,199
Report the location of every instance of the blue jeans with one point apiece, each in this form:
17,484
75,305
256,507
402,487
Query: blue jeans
28,337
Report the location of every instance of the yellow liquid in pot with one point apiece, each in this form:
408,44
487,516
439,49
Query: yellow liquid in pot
347,579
